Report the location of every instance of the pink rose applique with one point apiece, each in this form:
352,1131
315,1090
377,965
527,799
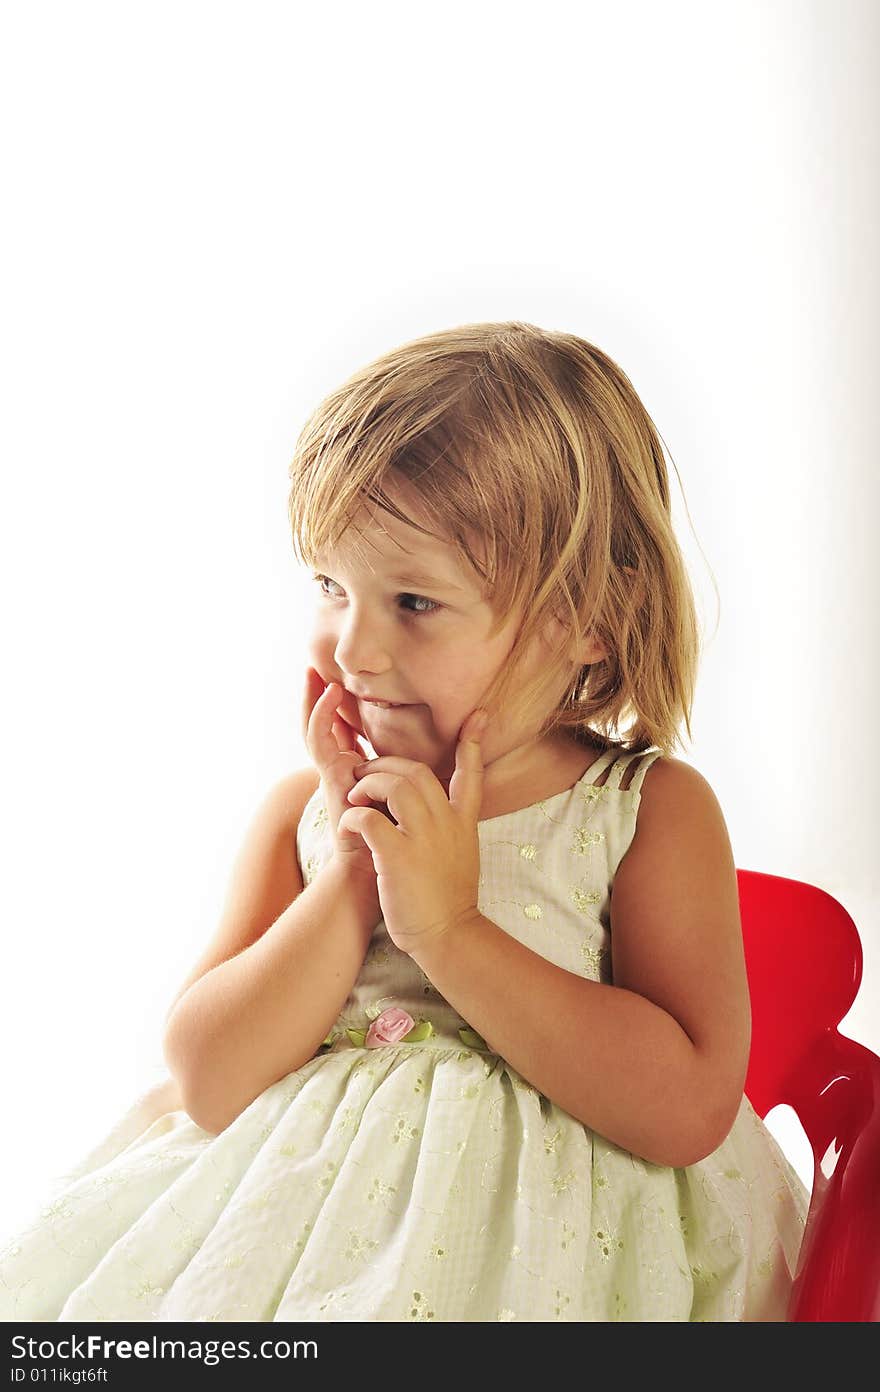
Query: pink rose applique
389,1027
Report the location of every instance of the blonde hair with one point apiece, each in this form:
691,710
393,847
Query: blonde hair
532,448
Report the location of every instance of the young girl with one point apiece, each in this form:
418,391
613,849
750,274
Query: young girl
471,1039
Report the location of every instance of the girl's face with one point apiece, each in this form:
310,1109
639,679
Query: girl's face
400,619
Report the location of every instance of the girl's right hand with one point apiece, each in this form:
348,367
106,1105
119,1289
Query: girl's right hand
335,750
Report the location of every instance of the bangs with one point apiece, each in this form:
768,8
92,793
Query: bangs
427,484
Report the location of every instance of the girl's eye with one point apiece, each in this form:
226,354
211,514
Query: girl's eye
433,606
321,581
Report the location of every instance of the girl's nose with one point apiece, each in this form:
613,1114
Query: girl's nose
361,647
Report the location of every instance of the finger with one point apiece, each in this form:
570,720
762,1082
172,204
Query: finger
320,738
466,783
347,736
391,763
313,686
419,774
404,797
376,830
344,735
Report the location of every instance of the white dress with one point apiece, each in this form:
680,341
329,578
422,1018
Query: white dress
422,1180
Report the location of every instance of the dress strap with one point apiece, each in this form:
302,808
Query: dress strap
623,763
597,769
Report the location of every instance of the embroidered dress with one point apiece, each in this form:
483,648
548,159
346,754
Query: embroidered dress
423,1178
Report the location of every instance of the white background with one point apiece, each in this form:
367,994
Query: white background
213,214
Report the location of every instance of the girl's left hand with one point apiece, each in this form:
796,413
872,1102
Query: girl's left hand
428,866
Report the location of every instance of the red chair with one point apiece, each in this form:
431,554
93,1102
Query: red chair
804,964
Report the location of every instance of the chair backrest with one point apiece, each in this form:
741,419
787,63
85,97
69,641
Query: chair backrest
804,965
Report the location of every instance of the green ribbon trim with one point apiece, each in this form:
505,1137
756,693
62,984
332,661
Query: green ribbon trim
472,1039
423,1030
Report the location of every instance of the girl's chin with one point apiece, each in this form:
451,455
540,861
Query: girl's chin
386,740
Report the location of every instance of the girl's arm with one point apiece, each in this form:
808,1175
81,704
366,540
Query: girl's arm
656,1063
264,995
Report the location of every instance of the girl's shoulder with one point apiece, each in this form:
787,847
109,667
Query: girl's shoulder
679,824
296,791
669,785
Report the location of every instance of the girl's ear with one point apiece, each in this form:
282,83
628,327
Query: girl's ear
588,650
591,650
